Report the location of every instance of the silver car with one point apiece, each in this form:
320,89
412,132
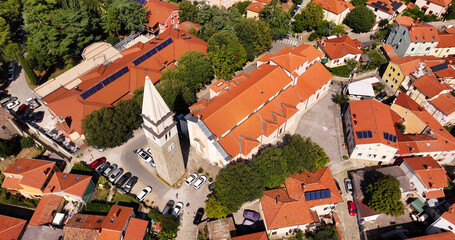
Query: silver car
109,170
115,174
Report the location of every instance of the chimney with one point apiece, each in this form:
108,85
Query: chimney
417,20
276,199
303,186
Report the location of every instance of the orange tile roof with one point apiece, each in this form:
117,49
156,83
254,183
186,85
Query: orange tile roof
255,7
410,64
339,47
70,183
83,227
12,183
334,6
46,210
404,21
436,236
434,194
449,215
371,115
187,26
423,32
252,236
388,6
388,48
448,72
115,222
265,58
72,108
11,228
287,206
264,1
430,173
445,103
441,140
289,62
446,41
429,85
159,11
34,172
443,3
136,230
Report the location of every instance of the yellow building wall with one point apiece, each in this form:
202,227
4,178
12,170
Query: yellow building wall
30,191
393,76
251,14
416,95
412,123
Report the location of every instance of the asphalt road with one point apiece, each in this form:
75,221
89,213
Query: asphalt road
145,173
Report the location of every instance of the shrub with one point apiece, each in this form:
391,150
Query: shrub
112,40
200,170
345,157
27,142
210,179
97,207
80,168
8,148
155,215
312,37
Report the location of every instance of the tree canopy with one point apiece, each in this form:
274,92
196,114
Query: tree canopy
177,95
310,17
303,154
277,19
226,53
214,19
271,166
8,148
361,19
254,35
325,233
195,69
241,6
384,196
188,11
215,209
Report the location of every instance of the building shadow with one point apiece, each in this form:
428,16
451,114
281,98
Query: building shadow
16,212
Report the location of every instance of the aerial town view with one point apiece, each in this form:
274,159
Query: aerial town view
227,119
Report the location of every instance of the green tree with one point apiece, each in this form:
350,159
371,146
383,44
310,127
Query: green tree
400,127
383,22
226,53
236,184
325,233
361,19
277,19
384,196
340,99
450,12
300,154
358,3
214,19
177,95
103,181
241,6
215,209
169,226
271,166
8,148
188,11
310,17
381,34
5,32
195,69
27,142
254,35
322,160
155,215
352,64
138,96
128,15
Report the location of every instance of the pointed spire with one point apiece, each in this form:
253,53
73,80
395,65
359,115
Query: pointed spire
153,105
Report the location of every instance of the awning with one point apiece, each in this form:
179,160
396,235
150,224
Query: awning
324,60
418,205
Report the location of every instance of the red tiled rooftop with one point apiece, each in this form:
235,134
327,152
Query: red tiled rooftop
429,85
34,172
446,41
388,6
449,215
443,3
339,47
136,229
70,183
11,228
187,26
436,236
334,6
255,7
158,11
117,218
252,236
445,103
83,227
430,173
46,210
404,21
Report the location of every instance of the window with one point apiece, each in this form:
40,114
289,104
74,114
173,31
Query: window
369,155
383,157
412,49
273,233
386,81
400,41
428,49
436,51
172,22
451,228
390,74
359,154
391,86
393,69
398,74
375,9
395,80
410,94
447,50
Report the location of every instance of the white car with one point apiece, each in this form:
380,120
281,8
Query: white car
177,209
191,178
12,105
147,149
144,193
200,181
144,156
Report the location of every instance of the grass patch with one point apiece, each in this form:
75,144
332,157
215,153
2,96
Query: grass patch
97,207
449,128
16,199
80,168
101,194
126,200
342,71
377,58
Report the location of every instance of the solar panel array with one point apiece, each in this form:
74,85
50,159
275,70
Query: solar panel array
152,52
104,83
390,137
318,194
364,134
142,2
440,67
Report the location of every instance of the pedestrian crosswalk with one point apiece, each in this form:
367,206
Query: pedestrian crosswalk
292,42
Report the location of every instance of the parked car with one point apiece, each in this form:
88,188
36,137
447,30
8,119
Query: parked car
11,67
249,224
338,186
191,178
12,105
22,109
211,187
144,193
115,174
144,156
27,114
39,116
3,92
348,185
109,170
97,162
122,180
351,208
148,151
251,215
200,181
380,96
6,99
177,209
130,184
168,207
33,103
103,167
198,217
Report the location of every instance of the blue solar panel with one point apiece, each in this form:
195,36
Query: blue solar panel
394,138
370,134
159,47
307,195
318,194
440,67
84,95
359,134
386,135
142,2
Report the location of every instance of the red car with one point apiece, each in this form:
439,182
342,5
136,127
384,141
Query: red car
3,92
97,162
351,208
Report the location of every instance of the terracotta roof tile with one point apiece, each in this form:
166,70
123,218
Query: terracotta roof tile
334,6
187,26
443,3
115,221
434,194
436,236
255,7
158,11
83,227
34,172
430,173
286,207
371,115
429,85
252,236
70,183
449,215
404,21
339,47
11,228
45,211
423,32
136,230
12,183
289,62
446,41
445,103
388,6
448,72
